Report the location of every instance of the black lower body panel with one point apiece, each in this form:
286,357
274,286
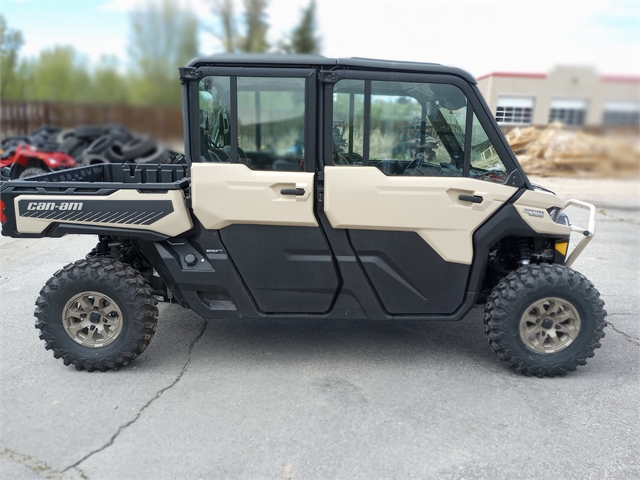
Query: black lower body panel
294,272
248,271
409,276
286,269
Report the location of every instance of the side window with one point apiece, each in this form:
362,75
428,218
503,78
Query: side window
271,128
395,127
270,121
414,128
485,162
215,109
348,122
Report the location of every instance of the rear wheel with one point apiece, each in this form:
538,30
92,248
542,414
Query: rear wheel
97,314
32,172
544,320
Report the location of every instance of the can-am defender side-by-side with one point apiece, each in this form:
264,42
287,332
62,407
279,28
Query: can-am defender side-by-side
295,202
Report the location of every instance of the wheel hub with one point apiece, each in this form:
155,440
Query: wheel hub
549,325
92,319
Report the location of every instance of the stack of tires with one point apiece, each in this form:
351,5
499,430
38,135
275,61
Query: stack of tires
43,138
92,144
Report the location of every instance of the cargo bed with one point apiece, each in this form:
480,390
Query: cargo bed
105,175
148,201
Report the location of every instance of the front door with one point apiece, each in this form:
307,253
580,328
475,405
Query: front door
410,205
255,185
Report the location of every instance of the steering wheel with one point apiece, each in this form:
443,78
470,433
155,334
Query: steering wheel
341,160
415,164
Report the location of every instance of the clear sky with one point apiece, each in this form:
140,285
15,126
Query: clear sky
478,36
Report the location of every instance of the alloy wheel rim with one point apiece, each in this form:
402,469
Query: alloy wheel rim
92,319
549,325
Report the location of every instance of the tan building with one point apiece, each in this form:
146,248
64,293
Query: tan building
573,95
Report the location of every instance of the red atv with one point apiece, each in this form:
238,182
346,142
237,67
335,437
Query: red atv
28,161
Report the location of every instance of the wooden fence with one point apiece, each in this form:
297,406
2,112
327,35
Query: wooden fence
21,118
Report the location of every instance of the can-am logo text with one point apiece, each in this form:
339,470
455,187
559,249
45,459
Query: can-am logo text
54,206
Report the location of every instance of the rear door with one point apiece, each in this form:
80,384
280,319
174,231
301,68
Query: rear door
410,206
255,181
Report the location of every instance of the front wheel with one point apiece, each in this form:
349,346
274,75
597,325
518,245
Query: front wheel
97,314
544,320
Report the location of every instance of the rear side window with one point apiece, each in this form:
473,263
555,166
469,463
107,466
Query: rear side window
214,113
271,122
270,129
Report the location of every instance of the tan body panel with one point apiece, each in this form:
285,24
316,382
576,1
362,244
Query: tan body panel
365,198
173,224
225,194
532,204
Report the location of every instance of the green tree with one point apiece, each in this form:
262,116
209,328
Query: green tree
10,43
229,37
19,86
58,74
164,37
304,38
109,85
252,37
255,38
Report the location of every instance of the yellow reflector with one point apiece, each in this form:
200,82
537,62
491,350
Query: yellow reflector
562,247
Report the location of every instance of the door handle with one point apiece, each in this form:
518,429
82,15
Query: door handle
292,191
471,198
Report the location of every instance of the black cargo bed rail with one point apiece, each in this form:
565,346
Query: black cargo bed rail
104,178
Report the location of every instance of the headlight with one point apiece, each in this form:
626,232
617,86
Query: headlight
557,216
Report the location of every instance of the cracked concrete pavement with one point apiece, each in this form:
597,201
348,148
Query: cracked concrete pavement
324,399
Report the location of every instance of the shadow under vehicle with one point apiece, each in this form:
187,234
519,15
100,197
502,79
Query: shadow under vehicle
339,231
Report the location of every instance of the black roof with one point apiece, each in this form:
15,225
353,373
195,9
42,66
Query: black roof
273,59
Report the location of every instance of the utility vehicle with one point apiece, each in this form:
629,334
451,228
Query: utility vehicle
269,217
28,161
